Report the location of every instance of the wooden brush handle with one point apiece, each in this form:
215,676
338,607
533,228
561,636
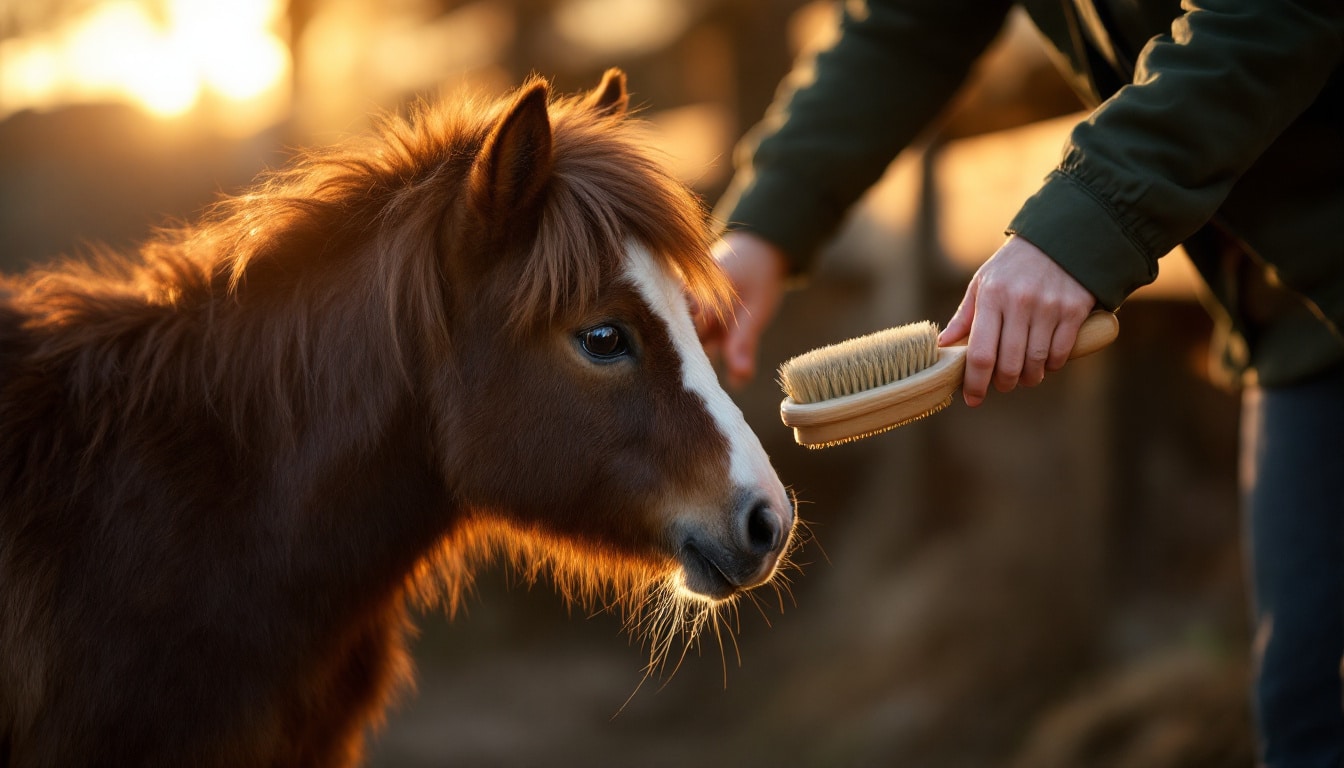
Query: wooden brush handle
1097,332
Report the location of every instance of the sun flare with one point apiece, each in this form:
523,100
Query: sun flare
164,57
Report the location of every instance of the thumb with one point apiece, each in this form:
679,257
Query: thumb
959,327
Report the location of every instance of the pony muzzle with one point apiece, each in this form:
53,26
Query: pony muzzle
721,563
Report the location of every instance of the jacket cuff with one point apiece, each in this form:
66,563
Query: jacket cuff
1083,234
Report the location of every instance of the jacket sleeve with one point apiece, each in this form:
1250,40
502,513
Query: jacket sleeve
834,129
1155,161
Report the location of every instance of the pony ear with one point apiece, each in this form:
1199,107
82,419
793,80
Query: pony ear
511,170
610,97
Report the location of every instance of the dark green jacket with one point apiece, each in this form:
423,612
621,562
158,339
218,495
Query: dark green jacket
1220,126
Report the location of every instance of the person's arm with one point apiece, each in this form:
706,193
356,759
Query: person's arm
1151,166
833,130
838,123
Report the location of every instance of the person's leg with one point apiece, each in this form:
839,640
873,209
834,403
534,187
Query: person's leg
1293,491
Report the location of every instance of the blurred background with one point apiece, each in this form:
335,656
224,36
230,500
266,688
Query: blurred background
1053,579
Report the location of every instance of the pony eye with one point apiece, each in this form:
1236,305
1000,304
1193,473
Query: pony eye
603,342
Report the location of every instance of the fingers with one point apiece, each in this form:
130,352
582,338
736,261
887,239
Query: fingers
982,353
1061,344
1038,350
756,270
1013,332
739,353
1021,316
729,340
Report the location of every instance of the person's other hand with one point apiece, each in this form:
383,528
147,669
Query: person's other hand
756,269
1022,312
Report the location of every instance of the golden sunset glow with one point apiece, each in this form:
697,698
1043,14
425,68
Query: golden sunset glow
621,27
165,58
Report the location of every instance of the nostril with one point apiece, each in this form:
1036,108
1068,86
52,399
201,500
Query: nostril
763,529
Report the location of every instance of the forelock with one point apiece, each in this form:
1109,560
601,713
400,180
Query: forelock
608,188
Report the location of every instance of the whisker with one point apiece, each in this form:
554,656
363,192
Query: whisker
737,650
631,697
685,649
723,660
756,601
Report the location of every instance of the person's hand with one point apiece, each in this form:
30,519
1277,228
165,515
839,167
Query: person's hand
1022,312
756,269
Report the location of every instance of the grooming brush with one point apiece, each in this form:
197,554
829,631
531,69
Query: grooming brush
870,384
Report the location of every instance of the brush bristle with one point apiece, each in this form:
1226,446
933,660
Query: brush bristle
860,364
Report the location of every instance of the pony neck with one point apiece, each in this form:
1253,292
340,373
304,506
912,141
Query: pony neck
292,395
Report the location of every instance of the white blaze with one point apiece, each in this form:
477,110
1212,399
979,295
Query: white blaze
749,465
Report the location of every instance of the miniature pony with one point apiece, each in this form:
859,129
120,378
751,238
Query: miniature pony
230,459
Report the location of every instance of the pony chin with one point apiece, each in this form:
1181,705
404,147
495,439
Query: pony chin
657,605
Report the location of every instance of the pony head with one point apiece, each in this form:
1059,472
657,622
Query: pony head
577,418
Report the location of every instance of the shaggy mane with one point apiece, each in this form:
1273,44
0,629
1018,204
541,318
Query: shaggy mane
367,215
239,311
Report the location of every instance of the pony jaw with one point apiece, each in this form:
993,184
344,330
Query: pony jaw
658,608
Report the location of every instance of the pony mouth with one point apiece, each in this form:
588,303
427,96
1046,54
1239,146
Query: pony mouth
702,576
